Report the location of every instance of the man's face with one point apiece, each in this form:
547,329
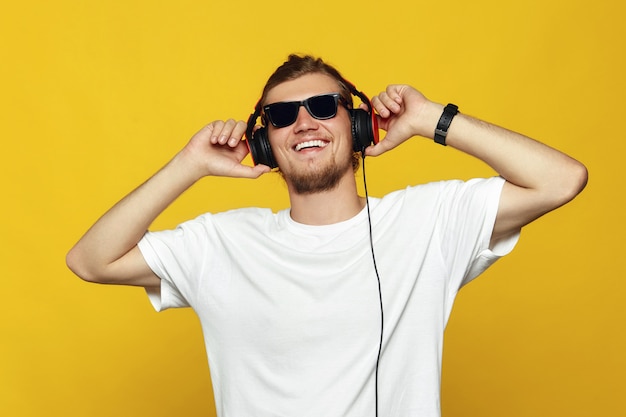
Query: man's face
313,155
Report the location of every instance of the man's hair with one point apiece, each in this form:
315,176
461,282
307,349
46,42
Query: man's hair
298,65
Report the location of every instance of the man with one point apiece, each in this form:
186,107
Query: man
289,301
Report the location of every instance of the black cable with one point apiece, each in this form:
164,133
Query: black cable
380,294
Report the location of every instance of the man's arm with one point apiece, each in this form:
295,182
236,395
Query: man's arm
538,178
108,252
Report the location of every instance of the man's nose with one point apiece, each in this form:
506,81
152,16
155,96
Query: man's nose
305,121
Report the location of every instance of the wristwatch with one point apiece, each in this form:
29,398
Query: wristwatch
444,123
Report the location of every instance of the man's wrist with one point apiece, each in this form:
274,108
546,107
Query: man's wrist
187,167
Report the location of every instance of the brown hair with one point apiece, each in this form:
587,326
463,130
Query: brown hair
299,65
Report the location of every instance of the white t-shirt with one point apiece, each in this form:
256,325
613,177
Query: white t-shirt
290,312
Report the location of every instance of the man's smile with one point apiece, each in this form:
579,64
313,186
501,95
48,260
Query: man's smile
317,143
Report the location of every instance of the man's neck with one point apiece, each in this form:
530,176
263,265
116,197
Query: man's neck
327,207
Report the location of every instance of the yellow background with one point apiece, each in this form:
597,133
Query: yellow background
97,95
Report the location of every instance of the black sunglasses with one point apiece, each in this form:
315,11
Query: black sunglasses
321,107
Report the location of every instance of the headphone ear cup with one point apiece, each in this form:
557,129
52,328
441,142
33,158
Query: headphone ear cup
363,132
260,149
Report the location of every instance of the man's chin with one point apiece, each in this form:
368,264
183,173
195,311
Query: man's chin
316,179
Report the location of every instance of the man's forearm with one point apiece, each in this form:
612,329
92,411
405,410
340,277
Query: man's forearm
119,230
539,178
518,159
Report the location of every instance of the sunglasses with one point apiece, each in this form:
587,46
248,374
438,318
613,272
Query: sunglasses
321,107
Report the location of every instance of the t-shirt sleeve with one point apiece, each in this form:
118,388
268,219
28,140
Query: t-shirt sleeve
172,256
469,217
166,295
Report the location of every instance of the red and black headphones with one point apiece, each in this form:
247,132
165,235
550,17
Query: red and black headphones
364,130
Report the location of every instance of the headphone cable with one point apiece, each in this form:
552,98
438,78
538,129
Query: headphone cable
380,294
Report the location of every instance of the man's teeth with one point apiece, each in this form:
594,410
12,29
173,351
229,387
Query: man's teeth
311,144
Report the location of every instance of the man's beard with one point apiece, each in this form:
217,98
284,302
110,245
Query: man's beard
319,179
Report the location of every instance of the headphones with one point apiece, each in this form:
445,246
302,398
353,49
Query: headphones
364,130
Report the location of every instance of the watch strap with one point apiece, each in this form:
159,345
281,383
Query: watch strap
443,125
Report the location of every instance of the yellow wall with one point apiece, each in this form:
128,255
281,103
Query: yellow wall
97,95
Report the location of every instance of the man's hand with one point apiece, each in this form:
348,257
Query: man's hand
217,150
403,113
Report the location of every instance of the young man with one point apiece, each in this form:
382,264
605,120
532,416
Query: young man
289,301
